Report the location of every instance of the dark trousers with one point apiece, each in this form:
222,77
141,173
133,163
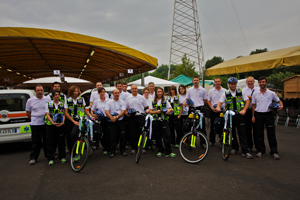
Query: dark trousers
249,126
39,140
162,131
212,134
262,120
117,133
136,124
55,137
174,124
105,140
72,132
239,124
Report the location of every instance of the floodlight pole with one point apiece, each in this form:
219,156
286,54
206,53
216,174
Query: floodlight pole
186,36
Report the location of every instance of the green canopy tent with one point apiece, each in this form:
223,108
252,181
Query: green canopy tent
187,81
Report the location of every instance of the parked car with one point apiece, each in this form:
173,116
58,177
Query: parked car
14,123
87,94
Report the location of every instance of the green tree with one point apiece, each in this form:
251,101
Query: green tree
214,61
258,51
162,71
186,68
276,79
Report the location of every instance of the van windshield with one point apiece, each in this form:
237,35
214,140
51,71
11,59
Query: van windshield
13,102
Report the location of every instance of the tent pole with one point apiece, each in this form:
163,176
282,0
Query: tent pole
142,80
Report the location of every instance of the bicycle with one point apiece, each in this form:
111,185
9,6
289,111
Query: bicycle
226,139
82,148
146,132
191,146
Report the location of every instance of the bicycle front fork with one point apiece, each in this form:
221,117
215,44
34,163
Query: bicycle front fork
140,140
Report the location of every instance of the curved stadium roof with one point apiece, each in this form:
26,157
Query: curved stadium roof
28,53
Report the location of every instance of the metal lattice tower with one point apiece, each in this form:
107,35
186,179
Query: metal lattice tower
186,37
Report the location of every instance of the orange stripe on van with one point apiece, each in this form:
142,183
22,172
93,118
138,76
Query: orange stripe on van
15,115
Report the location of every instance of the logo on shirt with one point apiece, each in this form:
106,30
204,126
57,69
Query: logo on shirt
268,98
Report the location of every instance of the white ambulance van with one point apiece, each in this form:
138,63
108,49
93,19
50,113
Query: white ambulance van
14,123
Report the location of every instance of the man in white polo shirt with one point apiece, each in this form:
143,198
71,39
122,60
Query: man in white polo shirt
116,126
262,116
213,100
95,95
35,110
199,97
249,125
136,122
122,95
151,87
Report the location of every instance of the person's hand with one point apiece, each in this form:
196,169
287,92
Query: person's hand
158,112
253,119
113,119
59,124
179,116
280,107
54,124
243,112
126,113
147,111
185,104
250,97
76,123
218,109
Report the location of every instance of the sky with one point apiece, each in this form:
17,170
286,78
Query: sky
146,25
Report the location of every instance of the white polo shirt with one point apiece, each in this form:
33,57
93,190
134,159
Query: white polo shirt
263,101
223,96
149,101
214,95
100,105
115,106
95,96
137,102
123,96
168,105
49,98
197,95
185,109
37,108
55,106
151,95
248,91
75,102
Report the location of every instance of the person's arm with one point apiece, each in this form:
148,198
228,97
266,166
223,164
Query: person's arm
243,112
28,113
87,113
253,111
49,118
281,105
221,101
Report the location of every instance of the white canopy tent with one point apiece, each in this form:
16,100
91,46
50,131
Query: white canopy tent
48,81
157,81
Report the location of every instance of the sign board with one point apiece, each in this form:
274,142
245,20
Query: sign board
56,72
121,74
130,71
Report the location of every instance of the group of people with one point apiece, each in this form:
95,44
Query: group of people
170,113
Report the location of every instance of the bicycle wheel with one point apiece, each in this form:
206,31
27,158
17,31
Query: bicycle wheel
80,153
226,144
140,147
192,148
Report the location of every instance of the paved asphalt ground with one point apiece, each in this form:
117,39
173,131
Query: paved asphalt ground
155,178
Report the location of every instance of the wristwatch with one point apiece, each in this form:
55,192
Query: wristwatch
117,117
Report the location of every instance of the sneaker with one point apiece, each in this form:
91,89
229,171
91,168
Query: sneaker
247,155
51,163
144,151
275,156
124,154
233,151
176,146
105,153
132,152
259,155
63,160
76,158
159,154
172,155
32,162
111,155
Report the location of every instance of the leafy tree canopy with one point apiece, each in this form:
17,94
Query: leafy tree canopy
186,68
214,61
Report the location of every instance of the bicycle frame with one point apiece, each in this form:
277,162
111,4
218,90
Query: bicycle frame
194,115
